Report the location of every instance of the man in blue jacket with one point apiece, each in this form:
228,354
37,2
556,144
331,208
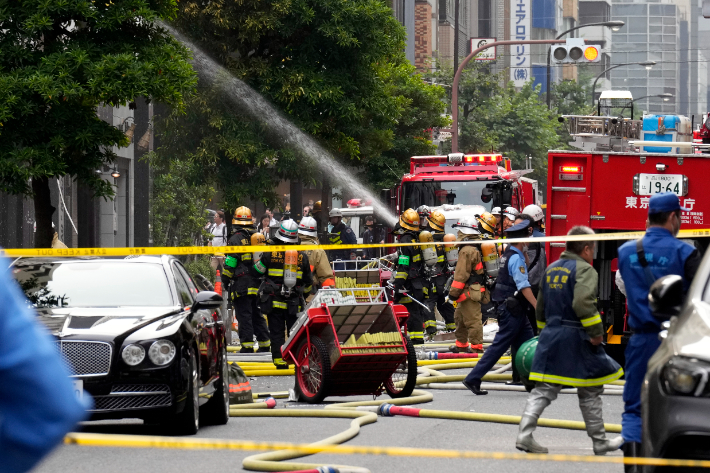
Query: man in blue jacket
37,401
642,262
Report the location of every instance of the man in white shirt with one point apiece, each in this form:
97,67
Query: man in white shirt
219,238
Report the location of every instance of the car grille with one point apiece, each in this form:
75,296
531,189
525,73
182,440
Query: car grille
134,396
86,358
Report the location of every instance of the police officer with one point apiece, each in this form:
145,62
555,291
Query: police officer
569,351
512,292
641,262
243,287
536,257
340,234
408,277
320,267
281,292
438,276
468,289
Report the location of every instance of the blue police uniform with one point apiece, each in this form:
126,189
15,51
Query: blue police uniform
665,255
513,326
37,401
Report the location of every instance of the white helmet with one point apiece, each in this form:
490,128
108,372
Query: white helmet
335,213
467,225
308,226
288,231
511,212
535,212
496,211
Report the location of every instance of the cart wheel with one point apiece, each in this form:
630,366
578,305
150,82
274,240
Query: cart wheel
313,377
402,381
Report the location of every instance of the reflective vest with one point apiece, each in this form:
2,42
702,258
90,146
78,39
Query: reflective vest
505,284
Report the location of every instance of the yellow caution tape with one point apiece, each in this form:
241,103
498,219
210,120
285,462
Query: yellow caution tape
206,250
144,441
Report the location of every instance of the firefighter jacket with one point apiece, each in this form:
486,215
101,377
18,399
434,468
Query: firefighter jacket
271,269
469,276
341,234
236,275
567,314
439,273
320,267
409,265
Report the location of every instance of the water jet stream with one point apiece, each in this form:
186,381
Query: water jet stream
289,135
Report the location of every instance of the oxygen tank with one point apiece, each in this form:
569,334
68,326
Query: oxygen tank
290,269
452,251
490,259
257,239
428,251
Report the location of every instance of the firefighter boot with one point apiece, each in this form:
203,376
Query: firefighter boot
525,441
590,403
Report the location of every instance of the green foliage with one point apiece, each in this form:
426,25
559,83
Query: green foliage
59,60
200,264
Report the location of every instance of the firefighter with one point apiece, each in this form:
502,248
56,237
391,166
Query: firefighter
569,351
536,257
409,278
662,254
487,225
468,289
509,216
340,234
438,276
320,267
511,293
316,214
286,281
423,212
243,286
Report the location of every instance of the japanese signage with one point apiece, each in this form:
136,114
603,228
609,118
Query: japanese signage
487,54
520,29
692,217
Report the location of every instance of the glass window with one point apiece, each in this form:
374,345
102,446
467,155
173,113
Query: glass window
654,73
620,38
670,73
190,283
435,193
182,289
635,10
654,20
669,21
669,30
654,10
668,10
638,25
655,29
93,284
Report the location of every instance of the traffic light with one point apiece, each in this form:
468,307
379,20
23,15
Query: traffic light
575,51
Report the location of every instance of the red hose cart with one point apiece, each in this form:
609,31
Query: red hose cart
351,342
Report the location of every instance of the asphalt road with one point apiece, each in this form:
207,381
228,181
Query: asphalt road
396,431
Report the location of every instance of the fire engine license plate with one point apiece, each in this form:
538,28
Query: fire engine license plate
650,184
78,388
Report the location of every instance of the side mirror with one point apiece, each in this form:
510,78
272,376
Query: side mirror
207,300
665,298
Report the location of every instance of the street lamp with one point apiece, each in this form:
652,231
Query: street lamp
666,97
615,26
647,64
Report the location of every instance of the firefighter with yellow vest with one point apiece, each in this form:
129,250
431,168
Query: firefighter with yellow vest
320,267
468,289
409,278
340,234
286,281
243,286
438,274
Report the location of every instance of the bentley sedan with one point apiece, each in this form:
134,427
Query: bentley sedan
137,335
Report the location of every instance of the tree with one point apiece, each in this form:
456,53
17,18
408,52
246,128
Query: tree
58,62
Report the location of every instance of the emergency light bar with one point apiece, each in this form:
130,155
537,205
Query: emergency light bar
571,173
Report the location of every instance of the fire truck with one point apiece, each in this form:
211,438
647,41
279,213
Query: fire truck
459,181
607,186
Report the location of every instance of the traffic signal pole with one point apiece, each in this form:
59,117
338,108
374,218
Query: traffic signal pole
457,77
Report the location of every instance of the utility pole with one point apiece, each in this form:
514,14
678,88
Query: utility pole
456,34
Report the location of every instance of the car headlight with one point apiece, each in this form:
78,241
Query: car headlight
686,376
162,352
133,354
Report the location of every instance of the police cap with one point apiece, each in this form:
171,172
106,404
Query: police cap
664,202
519,230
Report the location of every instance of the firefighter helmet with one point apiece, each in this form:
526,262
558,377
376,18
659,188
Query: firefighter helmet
496,212
467,225
487,222
257,239
436,221
535,212
308,226
423,212
409,220
335,213
316,207
242,217
288,231
511,212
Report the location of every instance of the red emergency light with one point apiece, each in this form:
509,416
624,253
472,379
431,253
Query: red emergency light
571,173
482,158
571,169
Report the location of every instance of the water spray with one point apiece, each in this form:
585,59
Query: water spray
288,134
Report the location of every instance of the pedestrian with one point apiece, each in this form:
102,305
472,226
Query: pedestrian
243,286
264,226
38,404
340,234
569,351
641,263
536,257
318,260
371,237
468,289
409,277
218,230
511,294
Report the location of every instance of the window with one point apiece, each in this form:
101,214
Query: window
190,283
635,10
182,288
638,25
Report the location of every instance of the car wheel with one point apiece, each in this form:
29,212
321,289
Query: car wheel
403,380
216,411
313,376
188,421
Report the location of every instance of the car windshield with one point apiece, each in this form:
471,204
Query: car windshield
93,284
435,193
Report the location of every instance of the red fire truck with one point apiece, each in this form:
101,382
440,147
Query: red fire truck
608,188
462,179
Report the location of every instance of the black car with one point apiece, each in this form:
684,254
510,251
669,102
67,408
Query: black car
675,396
137,335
